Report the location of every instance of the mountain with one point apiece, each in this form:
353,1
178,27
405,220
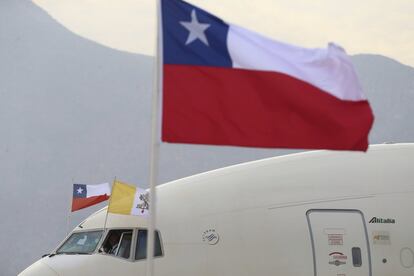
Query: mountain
72,110
69,109
389,86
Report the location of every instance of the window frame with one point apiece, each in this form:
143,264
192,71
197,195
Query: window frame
98,244
136,240
106,236
120,242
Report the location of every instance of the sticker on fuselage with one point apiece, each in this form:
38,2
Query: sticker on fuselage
381,237
335,239
337,258
210,236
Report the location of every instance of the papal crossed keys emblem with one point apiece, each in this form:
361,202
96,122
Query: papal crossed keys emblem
144,205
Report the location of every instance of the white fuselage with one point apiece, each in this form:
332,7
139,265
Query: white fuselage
320,213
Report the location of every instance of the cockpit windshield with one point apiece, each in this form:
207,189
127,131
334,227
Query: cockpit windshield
81,243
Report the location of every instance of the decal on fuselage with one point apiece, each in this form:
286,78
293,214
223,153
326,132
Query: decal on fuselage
210,236
335,239
382,220
337,258
381,237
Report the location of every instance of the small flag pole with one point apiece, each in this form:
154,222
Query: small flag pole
155,144
70,208
107,207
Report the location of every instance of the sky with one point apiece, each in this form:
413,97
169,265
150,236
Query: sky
371,26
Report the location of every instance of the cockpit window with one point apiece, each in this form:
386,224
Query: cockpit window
124,248
81,243
141,249
118,243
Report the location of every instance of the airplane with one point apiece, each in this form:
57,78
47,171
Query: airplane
317,213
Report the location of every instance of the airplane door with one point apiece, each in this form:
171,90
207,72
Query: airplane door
340,243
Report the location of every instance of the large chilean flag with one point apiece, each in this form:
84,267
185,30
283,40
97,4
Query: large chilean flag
225,85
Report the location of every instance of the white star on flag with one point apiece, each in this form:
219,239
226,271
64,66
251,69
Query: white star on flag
196,29
80,190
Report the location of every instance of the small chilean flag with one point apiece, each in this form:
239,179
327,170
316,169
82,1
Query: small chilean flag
226,85
88,195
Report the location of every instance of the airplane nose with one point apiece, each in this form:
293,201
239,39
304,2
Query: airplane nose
38,269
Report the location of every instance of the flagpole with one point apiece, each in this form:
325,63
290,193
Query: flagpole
70,207
155,144
107,207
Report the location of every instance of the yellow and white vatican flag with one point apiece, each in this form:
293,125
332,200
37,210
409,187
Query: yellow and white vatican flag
128,200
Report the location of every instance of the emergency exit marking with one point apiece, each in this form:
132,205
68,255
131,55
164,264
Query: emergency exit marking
335,239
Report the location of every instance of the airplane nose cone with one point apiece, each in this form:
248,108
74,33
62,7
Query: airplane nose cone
38,269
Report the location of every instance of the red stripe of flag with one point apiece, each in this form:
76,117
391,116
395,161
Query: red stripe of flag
226,106
80,203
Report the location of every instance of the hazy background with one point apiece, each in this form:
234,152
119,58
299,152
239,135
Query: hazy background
74,110
370,26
